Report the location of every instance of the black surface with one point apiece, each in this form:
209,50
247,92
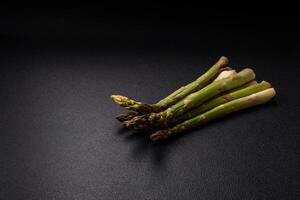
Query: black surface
58,135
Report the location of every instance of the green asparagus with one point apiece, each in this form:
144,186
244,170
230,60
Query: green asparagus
176,96
191,101
128,116
219,111
223,99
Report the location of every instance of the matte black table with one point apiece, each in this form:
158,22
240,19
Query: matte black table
58,135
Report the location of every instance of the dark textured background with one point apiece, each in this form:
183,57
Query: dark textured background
58,135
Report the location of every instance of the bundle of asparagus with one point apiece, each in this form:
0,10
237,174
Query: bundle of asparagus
216,93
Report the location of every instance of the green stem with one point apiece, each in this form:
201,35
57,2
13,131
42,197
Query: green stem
191,101
176,96
198,84
219,111
223,99
224,74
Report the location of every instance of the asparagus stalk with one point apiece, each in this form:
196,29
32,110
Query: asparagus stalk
191,101
128,116
227,96
179,94
219,111
242,86
223,99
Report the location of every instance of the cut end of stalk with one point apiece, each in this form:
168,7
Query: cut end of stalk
268,93
160,135
126,116
266,82
223,61
262,97
225,74
248,73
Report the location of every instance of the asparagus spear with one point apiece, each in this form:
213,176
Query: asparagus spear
223,99
221,110
235,93
175,96
191,101
128,116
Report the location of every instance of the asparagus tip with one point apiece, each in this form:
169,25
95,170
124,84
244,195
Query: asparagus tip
137,123
126,116
132,104
119,99
159,135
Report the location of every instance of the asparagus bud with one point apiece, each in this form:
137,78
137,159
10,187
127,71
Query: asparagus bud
132,104
126,116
